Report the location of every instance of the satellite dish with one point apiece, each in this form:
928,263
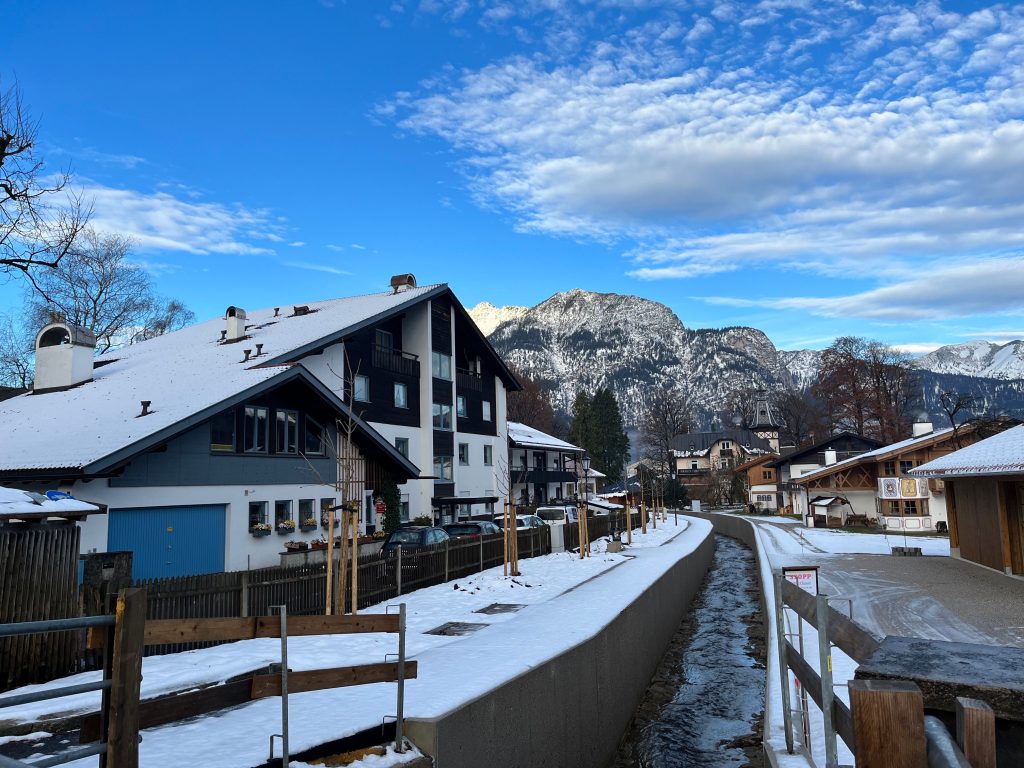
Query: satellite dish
58,495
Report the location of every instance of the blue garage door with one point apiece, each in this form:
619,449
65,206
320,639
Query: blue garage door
169,541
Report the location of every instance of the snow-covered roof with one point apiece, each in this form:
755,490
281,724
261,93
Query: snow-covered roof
1001,454
15,502
601,503
894,448
528,437
181,374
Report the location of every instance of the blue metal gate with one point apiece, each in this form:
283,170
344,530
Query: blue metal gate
169,541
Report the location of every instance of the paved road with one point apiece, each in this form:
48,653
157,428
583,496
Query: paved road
938,598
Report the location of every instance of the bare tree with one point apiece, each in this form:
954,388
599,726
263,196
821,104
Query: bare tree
15,353
40,217
669,413
802,415
531,405
953,404
96,286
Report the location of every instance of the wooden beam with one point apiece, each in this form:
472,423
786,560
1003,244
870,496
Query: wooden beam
888,723
842,719
160,631
338,677
170,709
850,636
126,680
976,732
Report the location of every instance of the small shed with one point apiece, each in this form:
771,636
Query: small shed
39,548
827,511
984,485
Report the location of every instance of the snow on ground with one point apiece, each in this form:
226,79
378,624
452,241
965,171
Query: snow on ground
389,758
567,601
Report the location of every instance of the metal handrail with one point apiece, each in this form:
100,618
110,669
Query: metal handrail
53,693
64,757
55,625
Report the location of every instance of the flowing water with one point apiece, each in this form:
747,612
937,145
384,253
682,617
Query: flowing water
705,703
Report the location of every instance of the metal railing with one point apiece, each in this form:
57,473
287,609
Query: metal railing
44,627
396,361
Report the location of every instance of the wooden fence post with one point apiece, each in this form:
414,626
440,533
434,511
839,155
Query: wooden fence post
123,721
976,732
244,582
888,724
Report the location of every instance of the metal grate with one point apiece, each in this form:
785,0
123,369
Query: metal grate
455,628
494,608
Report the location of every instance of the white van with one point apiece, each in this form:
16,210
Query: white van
556,518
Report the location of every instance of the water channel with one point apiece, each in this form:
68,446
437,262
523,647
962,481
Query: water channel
706,700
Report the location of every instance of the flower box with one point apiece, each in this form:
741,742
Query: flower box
296,546
318,545
286,527
305,527
260,532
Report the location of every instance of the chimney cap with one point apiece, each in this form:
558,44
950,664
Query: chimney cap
55,334
235,312
399,282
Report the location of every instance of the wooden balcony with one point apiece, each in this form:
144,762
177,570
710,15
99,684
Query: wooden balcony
396,361
468,380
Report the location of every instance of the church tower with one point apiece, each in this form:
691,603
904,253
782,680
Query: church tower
766,423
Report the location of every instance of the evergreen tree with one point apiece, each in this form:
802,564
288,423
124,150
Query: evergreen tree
580,431
392,499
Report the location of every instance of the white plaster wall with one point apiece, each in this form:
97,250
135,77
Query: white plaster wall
419,491
478,479
242,550
328,366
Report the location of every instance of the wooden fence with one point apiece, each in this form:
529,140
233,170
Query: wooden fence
38,566
885,725
302,588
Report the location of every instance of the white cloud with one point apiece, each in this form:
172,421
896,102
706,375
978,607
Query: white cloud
313,266
296,244
161,221
358,247
951,291
333,247
820,136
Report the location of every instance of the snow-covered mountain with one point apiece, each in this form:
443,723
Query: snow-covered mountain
580,340
977,358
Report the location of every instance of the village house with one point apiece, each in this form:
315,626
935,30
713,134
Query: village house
762,482
200,443
541,468
796,463
984,485
876,487
700,455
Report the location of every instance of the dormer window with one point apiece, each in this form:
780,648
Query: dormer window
257,419
287,432
222,433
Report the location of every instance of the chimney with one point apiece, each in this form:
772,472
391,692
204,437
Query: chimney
830,457
64,356
145,407
402,282
922,428
236,324
259,350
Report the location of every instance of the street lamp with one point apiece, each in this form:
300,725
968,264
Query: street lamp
582,508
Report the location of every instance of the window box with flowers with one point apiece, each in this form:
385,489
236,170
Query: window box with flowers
308,524
285,527
320,543
296,546
260,529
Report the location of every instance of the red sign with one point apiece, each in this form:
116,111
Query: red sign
381,509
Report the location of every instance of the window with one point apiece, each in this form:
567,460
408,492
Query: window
487,410
909,506
362,389
889,469
443,467
441,366
906,466
315,443
402,446
460,405
464,454
488,455
306,516
401,395
404,507
764,497
726,445
287,432
442,416
282,511
385,340
489,507
256,418
222,433
766,474
693,465
325,511
257,513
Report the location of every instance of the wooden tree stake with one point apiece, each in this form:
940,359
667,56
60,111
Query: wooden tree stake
976,732
888,724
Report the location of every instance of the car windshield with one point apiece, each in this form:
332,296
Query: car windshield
463,530
405,537
552,514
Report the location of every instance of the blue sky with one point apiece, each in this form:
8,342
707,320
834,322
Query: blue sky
812,168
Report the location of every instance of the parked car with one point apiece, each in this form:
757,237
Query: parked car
525,521
472,529
412,538
559,515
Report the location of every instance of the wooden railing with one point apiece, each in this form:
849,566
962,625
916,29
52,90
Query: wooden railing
396,361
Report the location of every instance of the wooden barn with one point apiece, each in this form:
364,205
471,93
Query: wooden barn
985,500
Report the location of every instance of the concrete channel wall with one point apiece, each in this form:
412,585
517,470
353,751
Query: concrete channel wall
573,710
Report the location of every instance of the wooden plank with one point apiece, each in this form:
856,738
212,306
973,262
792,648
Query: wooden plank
170,709
123,721
850,636
270,626
888,720
976,732
338,677
842,719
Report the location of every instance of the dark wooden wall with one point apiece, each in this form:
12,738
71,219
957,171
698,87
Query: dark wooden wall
38,580
977,518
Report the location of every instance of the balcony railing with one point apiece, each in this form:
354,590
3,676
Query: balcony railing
523,474
468,380
396,361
